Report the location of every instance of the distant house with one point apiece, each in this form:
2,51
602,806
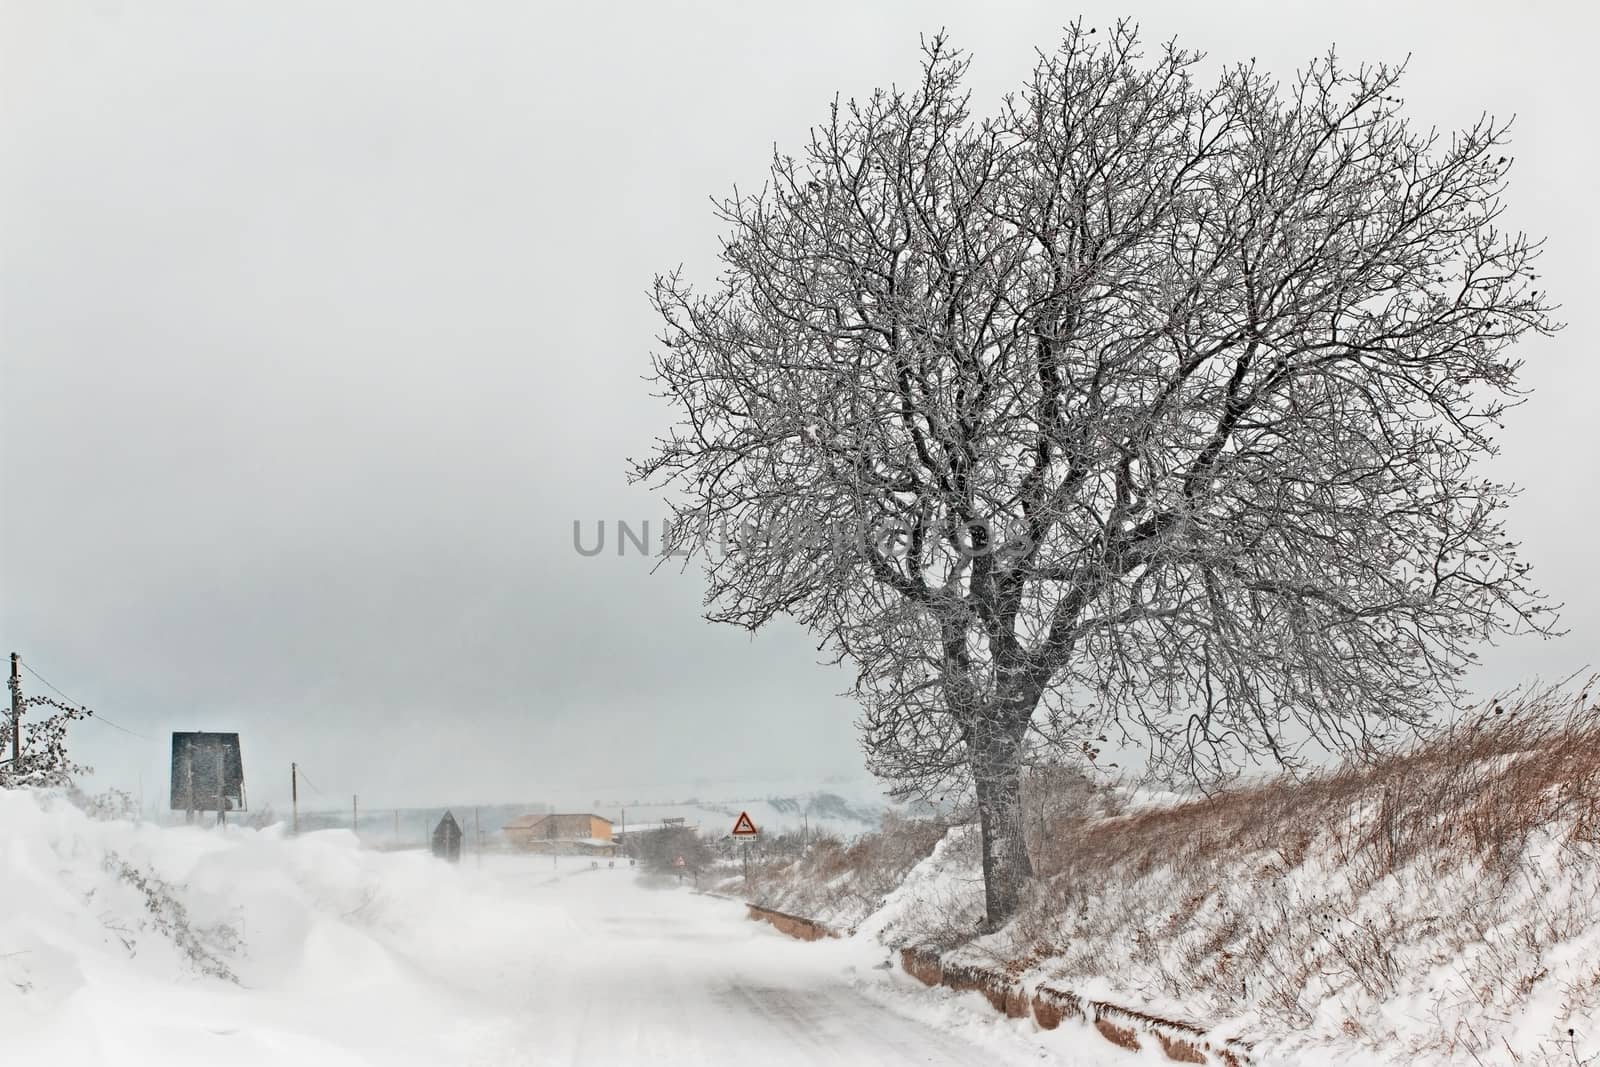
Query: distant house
584,834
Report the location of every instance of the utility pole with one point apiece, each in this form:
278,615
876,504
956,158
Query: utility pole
294,794
16,715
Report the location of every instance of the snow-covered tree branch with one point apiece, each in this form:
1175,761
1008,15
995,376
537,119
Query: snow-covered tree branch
1143,406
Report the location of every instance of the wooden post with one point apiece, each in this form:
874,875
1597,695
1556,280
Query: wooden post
222,787
16,715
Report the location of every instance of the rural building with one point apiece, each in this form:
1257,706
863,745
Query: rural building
567,834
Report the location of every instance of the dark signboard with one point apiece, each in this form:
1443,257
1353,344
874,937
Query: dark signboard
207,772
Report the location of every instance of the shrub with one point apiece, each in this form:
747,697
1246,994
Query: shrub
204,947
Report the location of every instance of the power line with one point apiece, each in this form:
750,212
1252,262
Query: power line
88,712
29,668
97,717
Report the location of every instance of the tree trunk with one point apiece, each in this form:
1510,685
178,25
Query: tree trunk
996,753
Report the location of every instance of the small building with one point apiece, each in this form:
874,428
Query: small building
563,834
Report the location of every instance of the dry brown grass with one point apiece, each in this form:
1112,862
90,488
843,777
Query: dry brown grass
843,882
1121,1036
1180,1051
1481,787
1355,884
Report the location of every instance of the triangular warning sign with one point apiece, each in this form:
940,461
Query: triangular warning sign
744,827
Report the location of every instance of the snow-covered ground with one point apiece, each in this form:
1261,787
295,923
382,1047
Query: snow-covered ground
134,944
1317,962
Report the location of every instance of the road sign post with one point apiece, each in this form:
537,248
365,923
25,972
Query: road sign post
745,829
207,774
447,839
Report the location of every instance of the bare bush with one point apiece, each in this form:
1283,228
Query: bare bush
842,882
205,947
113,804
42,751
661,850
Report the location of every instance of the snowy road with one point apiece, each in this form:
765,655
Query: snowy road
347,957
664,976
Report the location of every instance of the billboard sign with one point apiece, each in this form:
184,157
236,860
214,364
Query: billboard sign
207,772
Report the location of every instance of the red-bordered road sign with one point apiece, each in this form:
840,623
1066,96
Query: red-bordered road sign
743,827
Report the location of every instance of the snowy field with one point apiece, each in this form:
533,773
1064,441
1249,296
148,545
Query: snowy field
133,944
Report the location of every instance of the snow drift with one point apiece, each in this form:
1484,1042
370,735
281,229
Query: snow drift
131,944
135,943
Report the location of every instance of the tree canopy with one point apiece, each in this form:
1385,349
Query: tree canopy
1141,406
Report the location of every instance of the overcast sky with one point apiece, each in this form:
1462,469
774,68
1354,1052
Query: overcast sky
323,322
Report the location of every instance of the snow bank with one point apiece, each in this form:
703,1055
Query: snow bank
1440,963
940,903
840,884
1319,943
131,943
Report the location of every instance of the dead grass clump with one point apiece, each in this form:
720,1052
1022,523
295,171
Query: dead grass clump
827,856
1179,1050
922,965
1051,1006
1121,1036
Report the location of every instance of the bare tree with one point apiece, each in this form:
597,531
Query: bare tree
661,849
1140,407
